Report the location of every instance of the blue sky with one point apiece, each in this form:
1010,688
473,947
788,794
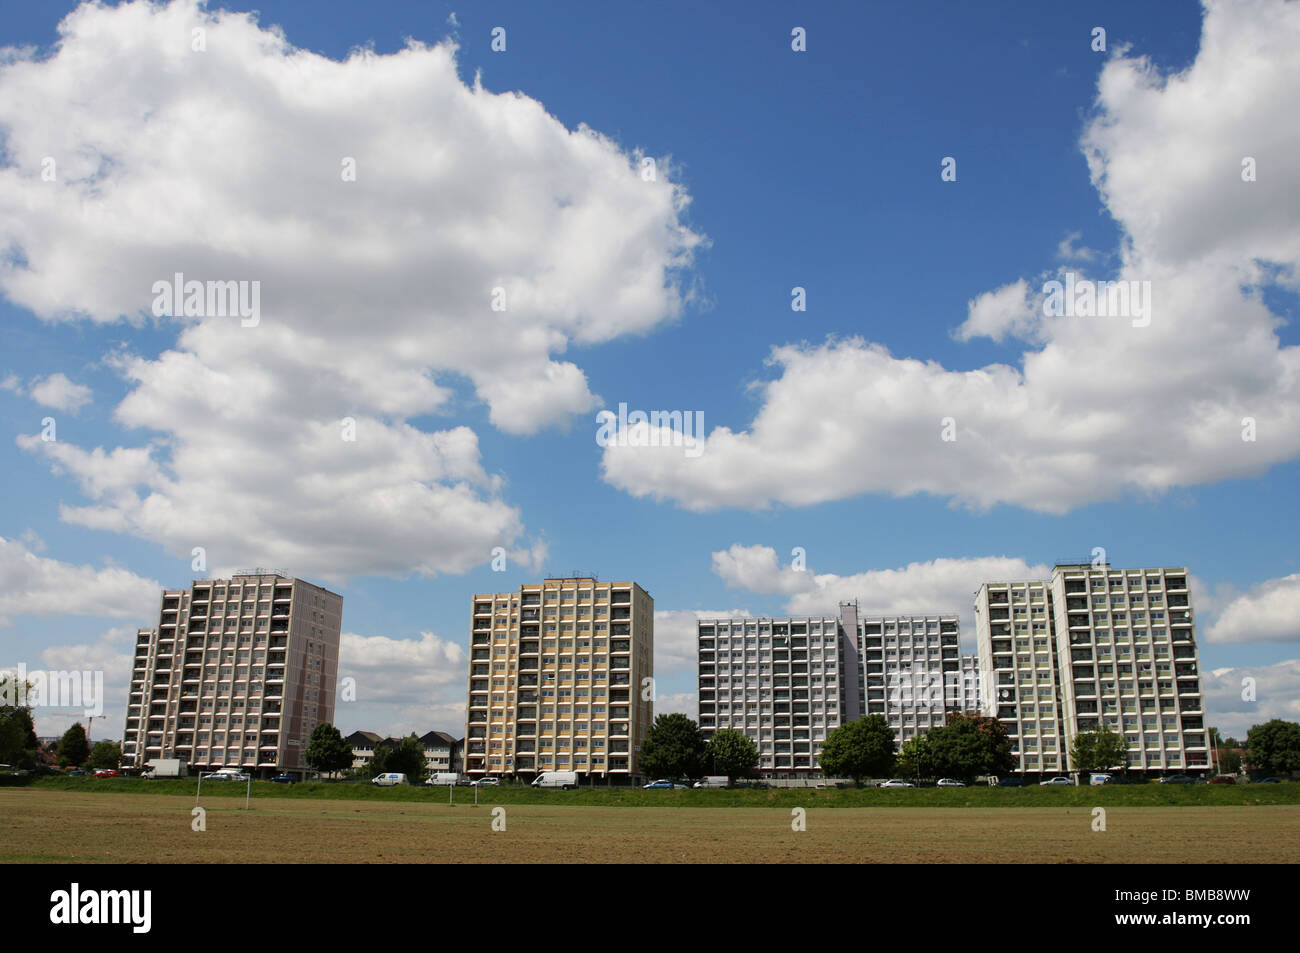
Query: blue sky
779,169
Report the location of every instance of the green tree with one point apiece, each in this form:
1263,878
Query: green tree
1099,750
732,753
105,754
18,744
328,751
406,758
1229,761
674,748
860,749
970,745
916,758
1274,747
74,748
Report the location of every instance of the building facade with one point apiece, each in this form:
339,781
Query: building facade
1014,632
911,671
237,674
1095,645
1126,641
561,677
972,698
787,683
777,681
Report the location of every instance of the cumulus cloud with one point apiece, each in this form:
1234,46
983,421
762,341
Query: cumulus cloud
1098,407
1273,691
402,685
687,703
676,638
938,585
757,569
41,586
410,261
108,659
55,391
1270,612
1008,311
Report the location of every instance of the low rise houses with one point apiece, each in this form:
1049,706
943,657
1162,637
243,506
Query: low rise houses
442,752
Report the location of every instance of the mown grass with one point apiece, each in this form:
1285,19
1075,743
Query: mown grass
1139,795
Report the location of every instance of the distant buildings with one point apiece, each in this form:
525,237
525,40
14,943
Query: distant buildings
560,678
777,681
238,673
787,683
442,752
1095,645
911,671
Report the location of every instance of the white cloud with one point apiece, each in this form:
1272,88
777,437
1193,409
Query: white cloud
757,569
1068,251
402,685
1276,691
1100,408
1270,612
687,703
40,586
55,391
1008,311
938,585
676,636
376,294
60,393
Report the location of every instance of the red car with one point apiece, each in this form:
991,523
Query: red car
1223,779
105,773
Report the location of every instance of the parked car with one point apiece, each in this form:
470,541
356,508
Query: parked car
1178,779
1223,779
389,779
950,783
282,779
106,773
1010,781
1267,781
76,773
1055,782
896,783
488,782
1098,779
233,774
665,784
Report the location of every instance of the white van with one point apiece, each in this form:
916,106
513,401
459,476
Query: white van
444,777
388,780
713,781
556,779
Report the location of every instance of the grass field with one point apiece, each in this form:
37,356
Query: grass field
59,826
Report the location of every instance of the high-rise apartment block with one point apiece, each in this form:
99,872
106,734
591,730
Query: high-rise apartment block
777,681
787,683
237,674
911,671
1095,645
972,698
560,679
